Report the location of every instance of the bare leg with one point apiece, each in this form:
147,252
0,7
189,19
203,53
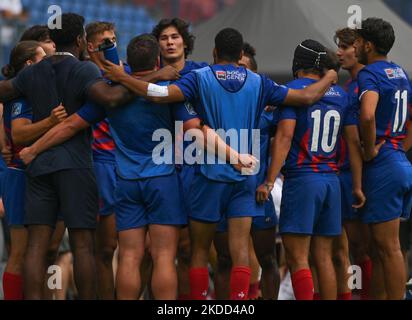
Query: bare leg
163,249
84,266
106,243
131,252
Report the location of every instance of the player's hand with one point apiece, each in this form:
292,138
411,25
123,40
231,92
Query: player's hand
333,75
369,156
6,154
263,192
359,199
246,164
113,71
167,73
27,155
58,115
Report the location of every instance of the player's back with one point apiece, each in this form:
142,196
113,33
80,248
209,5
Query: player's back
133,127
318,128
392,84
229,99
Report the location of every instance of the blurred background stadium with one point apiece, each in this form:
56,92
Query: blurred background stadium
285,22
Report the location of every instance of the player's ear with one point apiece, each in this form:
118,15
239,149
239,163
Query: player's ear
158,62
215,55
29,62
241,55
90,47
369,47
79,41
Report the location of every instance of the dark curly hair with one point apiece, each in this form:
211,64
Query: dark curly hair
229,44
72,27
379,32
183,29
250,52
36,33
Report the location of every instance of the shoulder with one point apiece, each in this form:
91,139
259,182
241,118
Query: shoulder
192,65
372,70
296,84
86,65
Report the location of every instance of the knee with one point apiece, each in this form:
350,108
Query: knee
340,257
131,255
297,259
105,254
388,248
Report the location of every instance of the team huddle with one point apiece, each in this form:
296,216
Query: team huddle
82,146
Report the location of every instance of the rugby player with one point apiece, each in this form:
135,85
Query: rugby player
385,96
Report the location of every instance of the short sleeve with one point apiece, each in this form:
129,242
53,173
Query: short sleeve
273,94
367,81
184,111
86,75
287,113
21,110
92,113
189,87
351,117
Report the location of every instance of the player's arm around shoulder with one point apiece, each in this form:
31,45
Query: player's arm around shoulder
55,136
153,92
24,131
7,91
309,95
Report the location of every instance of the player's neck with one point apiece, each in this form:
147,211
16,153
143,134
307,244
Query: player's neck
355,70
96,61
376,57
73,50
225,62
141,74
178,64
309,76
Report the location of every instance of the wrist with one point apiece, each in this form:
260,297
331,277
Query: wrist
50,122
269,182
33,150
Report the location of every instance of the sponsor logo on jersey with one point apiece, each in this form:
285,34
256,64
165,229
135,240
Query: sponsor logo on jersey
16,109
332,93
230,75
221,75
395,73
190,109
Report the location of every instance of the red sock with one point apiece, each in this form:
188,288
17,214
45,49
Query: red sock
302,284
254,290
12,286
239,283
366,267
199,283
345,296
183,297
316,296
